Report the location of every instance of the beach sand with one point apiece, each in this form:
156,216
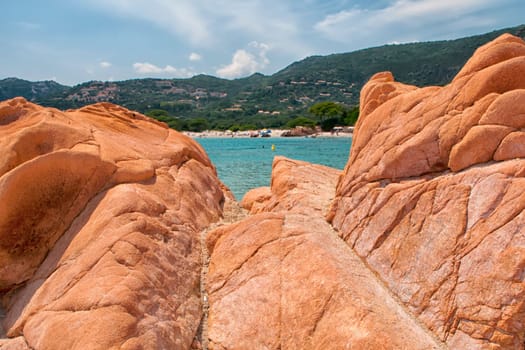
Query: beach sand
247,134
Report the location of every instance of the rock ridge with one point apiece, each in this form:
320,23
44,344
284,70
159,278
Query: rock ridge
431,199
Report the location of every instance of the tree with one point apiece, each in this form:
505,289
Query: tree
157,113
300,121
333,114
327,109
330,123
197,124
163,116
351,116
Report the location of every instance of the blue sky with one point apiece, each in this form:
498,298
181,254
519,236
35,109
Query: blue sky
72,41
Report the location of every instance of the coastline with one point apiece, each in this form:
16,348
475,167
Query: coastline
273,134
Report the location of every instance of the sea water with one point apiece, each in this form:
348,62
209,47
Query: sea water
246,163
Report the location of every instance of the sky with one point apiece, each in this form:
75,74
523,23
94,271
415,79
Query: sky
73,41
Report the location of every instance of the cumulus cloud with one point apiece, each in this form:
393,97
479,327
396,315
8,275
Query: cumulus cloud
404,20
194,57
146,68
246,62
105,64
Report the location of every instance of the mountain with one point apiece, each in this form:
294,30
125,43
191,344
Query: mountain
266,101
34,91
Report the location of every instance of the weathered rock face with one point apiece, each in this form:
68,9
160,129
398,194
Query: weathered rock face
282,279
100,211
296,186
432,197
100,214
286,281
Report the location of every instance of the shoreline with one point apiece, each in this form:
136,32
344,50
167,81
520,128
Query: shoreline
274,133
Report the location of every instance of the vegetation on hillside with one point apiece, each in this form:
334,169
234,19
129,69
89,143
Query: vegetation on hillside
35,91
283,99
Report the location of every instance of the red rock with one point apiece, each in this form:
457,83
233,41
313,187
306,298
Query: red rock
296,186
379,89
282,279
478,146
101,212
432,199
286,281
256,197
501,49
428,250
17,343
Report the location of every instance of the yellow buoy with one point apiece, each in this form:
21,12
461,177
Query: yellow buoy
273,147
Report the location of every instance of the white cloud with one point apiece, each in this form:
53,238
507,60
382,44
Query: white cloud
105,64
218,23
402,20
245,63
263,49
148,68
194,57
182,18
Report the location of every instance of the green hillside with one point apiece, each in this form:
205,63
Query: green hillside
265,101
34,91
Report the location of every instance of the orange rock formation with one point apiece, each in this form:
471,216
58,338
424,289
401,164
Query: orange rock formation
432,197
430,208
283,279
100,211
100,215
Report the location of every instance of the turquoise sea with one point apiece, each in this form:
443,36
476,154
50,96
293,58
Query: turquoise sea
246,163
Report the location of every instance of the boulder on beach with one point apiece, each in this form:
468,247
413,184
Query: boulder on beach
100,214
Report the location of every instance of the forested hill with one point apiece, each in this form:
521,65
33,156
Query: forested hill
267,101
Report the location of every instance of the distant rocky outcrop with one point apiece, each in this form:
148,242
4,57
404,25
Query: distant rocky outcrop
432,197
100,214
299,131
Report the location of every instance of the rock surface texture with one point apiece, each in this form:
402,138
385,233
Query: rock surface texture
283,279
296,186
432,198
100,214
105,228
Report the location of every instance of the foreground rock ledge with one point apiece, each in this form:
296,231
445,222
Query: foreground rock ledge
283,279
100,215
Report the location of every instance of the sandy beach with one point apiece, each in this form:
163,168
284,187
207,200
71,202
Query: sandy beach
273,133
